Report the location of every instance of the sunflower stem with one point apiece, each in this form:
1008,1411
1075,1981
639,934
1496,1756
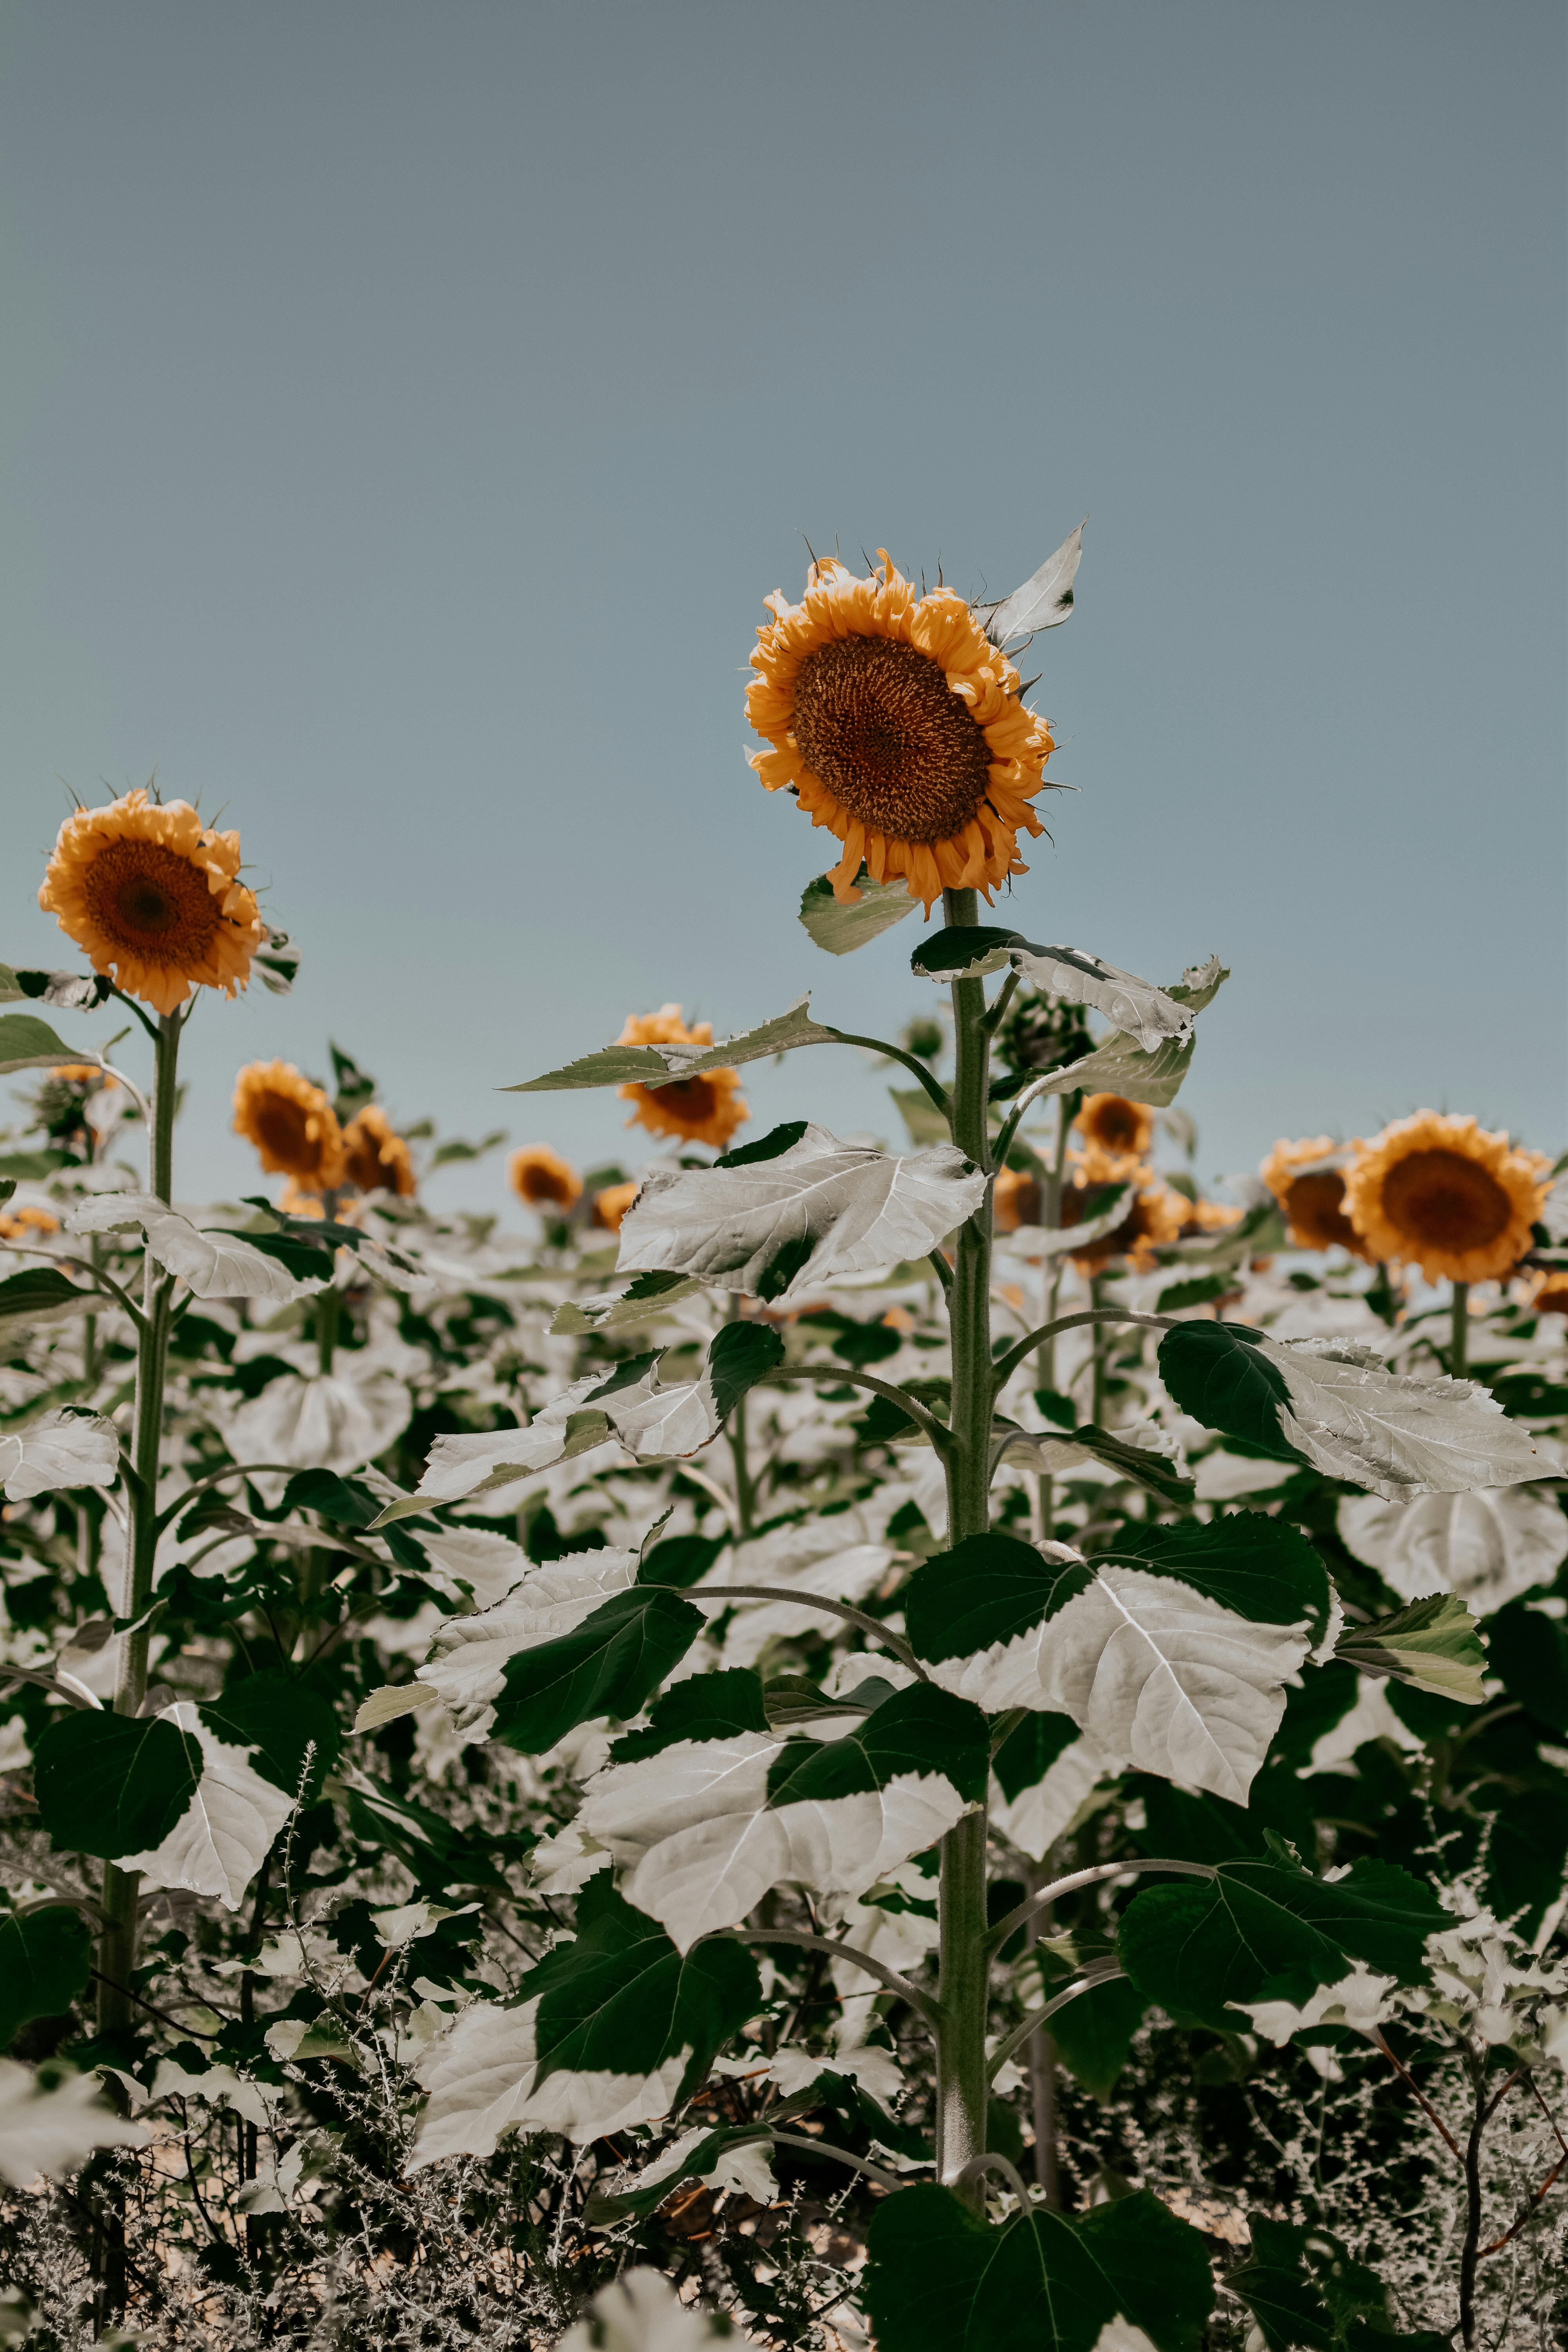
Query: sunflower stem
1460,1332
1050,1289
962,2089
116,1949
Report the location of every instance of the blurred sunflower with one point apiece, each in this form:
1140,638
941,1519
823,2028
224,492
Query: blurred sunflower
1206,1217
1014,1200
899,727
611,1206
1122,1129
1441,1193
542,1178
1152,1222
705,1110
291,1123
16,1223
151,894
1550,1295
376,1158
1307,1180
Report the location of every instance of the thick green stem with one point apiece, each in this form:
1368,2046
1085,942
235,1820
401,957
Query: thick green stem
1045,1354
1460,1332
1042,2057
962,2083
116,1949
1097,1340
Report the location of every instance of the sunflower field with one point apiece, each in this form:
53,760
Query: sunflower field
933,1742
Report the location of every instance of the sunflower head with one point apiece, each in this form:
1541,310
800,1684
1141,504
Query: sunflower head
376,1158
704,1109
1123,1131
15,1225
291,1123
611,1206
540,1177
1442,1194
1307,1180
152,895
1206,1217
1041,1032
1152,1222
1550,1294
1014,1200
900,728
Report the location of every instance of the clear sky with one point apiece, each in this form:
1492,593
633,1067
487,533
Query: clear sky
406,408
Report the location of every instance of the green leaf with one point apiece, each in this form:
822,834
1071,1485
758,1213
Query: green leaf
28,1044
113,1784
741,1355
42,1295
962,952
1213,1373
30,1167
1527,1855
1269,1930
639,2203
989,1588
456,1148
622,1999
1260,1567
275,1716
1308,2295
778,1139
45,1959
923,1123
1121,1067
1431,1643
942,2279
703,1706
607,1666
1199,1292
1529,1651
1029,1750
1093,2034
1156,1472
644,1301
919,1730
842,929
1194,1825
659,1066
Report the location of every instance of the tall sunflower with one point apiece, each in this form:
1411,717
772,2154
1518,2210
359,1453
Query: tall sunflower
291,1123
1307,1180
706,1110
376,1158
1441,1193
1123,1129
900,728
150,893
539,1176
1153,1220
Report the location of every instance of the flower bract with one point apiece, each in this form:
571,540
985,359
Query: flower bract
1442,1193
900,728
152,895
291,1123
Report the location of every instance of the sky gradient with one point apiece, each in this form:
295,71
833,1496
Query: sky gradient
403,411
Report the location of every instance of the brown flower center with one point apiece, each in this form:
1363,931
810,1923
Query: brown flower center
877,722
1315,1206
692,1098
1117,1126
1445,1200
1081,1202
535,1183
281,1127
150,901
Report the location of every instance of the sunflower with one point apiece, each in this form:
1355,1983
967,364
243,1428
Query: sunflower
1206,1217
1442,1194
611,1206
376,1159
899,727
291,1123
1307,1180
542,1178
706,1110
150,893
1014,1200
16,1223
1154,1221
81,1073
1123,1129
1550,1295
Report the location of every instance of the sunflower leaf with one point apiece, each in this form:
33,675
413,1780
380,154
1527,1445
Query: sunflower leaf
779,1227
842,929
662,1065
1336,1406
28,1044
46,1960
1045,600
61,1449
42,1295
1430,1643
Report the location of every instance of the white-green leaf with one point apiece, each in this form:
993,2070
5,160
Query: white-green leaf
1352,1418
464,1463
61,1449
659,1066
51,2130
645,1300
1488,1546
1145,1013
842,929
469,1656
837,1559
1051,1240
325,1420
225,1832
489,1564
220,1265
1043,601
1037,1816
28,1044
483,2079
113,1213
641,2312
778,1228
1431,1643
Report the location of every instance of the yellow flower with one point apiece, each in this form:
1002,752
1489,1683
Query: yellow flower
16,1223
1550,1294
376,1159
81,1074
900,728
1440,1192
1154,1221
291,1123
151,894
1208,1217
706,1110
1014,1200
1122,1130
611,1206
540,1177
1307,1180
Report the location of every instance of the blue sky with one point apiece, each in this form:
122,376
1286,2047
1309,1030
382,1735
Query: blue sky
405,409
